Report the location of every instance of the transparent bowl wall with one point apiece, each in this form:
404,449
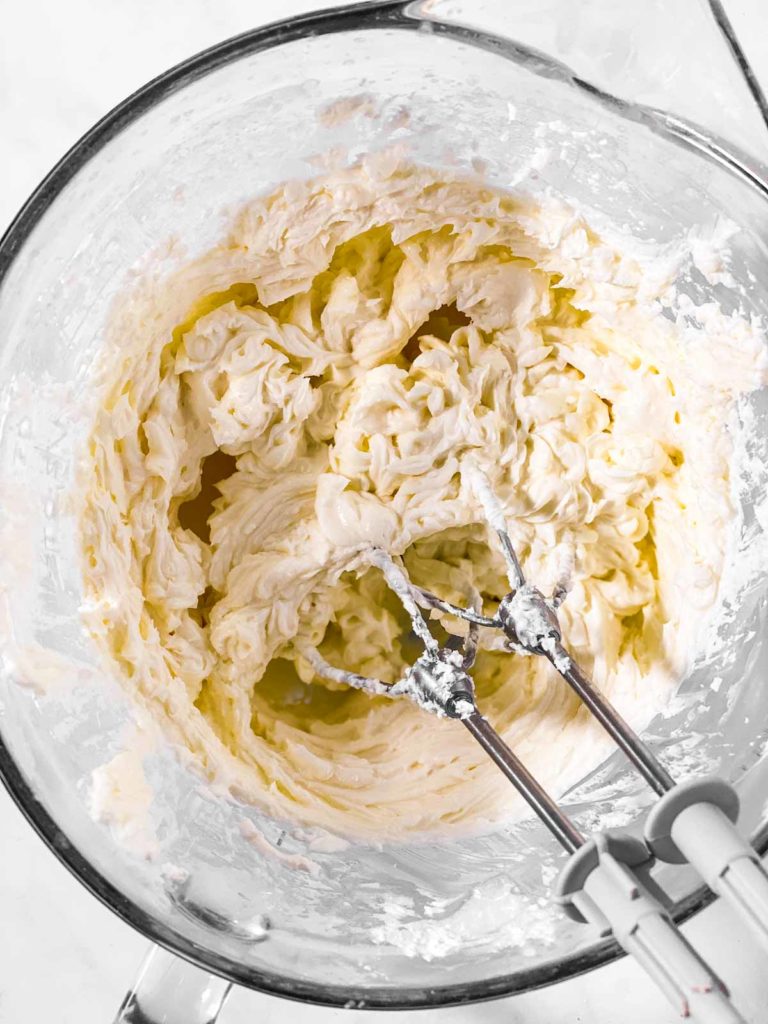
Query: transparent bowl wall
175,161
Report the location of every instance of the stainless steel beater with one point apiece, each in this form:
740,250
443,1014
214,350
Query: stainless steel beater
607,880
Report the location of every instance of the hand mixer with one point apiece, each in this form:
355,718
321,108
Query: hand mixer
607,880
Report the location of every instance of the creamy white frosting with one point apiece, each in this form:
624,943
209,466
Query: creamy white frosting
346,349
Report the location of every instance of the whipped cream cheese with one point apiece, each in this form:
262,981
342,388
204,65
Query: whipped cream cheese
312,387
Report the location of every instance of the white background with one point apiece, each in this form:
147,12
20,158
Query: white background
65,959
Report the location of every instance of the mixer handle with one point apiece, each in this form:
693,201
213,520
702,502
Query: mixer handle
169,990
602,884
696,822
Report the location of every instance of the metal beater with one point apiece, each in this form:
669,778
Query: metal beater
607,880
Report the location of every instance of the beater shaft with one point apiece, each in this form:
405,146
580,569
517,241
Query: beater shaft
534,794
654,773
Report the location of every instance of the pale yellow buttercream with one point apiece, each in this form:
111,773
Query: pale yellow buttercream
321,376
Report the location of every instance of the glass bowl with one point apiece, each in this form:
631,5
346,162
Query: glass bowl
432,923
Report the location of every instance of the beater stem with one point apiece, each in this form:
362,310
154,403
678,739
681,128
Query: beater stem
654,773
542,803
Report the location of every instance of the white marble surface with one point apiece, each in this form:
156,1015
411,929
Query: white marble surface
64,958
